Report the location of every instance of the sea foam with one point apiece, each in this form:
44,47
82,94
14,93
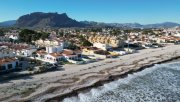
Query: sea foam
160,83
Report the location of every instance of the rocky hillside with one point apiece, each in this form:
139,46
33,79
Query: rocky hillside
39,19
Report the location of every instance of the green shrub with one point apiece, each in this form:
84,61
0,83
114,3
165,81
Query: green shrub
30,69
42,69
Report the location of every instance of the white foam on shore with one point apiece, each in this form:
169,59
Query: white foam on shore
160,83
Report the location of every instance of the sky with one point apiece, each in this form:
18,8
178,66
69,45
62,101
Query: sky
109,11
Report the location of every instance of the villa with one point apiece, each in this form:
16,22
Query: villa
40,54
55,57
71,55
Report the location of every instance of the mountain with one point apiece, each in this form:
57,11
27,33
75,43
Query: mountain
162,25
7,23
118,25
126,25
40,19
132,25
96,24
137,25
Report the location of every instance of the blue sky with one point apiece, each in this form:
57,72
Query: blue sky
115,11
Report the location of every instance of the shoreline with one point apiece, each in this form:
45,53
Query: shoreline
57,85
107,80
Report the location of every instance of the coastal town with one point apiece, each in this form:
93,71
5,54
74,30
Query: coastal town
57,47
89,51
71,54
48,55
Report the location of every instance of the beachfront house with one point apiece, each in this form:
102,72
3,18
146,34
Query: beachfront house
40,54
54,57
8,64
70,54
73,56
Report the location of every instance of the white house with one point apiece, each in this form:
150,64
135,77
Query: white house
54,57
41,54
177,35
14,37
53,49
7,64
28,52
13,34
58,56
70,54
25,50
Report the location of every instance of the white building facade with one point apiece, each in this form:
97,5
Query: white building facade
8,64
6,52
102,46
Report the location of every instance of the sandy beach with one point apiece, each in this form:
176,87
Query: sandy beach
54,85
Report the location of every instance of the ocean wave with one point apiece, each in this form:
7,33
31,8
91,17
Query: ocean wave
160,83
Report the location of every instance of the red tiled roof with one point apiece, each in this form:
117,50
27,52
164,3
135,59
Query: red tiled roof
68,52
56,54
170,38
41,52
77,51
14,46
6,60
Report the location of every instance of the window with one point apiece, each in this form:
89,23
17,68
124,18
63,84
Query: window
17,64
79,55
2,68
10,66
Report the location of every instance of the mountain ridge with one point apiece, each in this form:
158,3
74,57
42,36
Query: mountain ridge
7,23
134,25
40,19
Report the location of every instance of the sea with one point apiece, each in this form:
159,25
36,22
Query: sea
160,83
